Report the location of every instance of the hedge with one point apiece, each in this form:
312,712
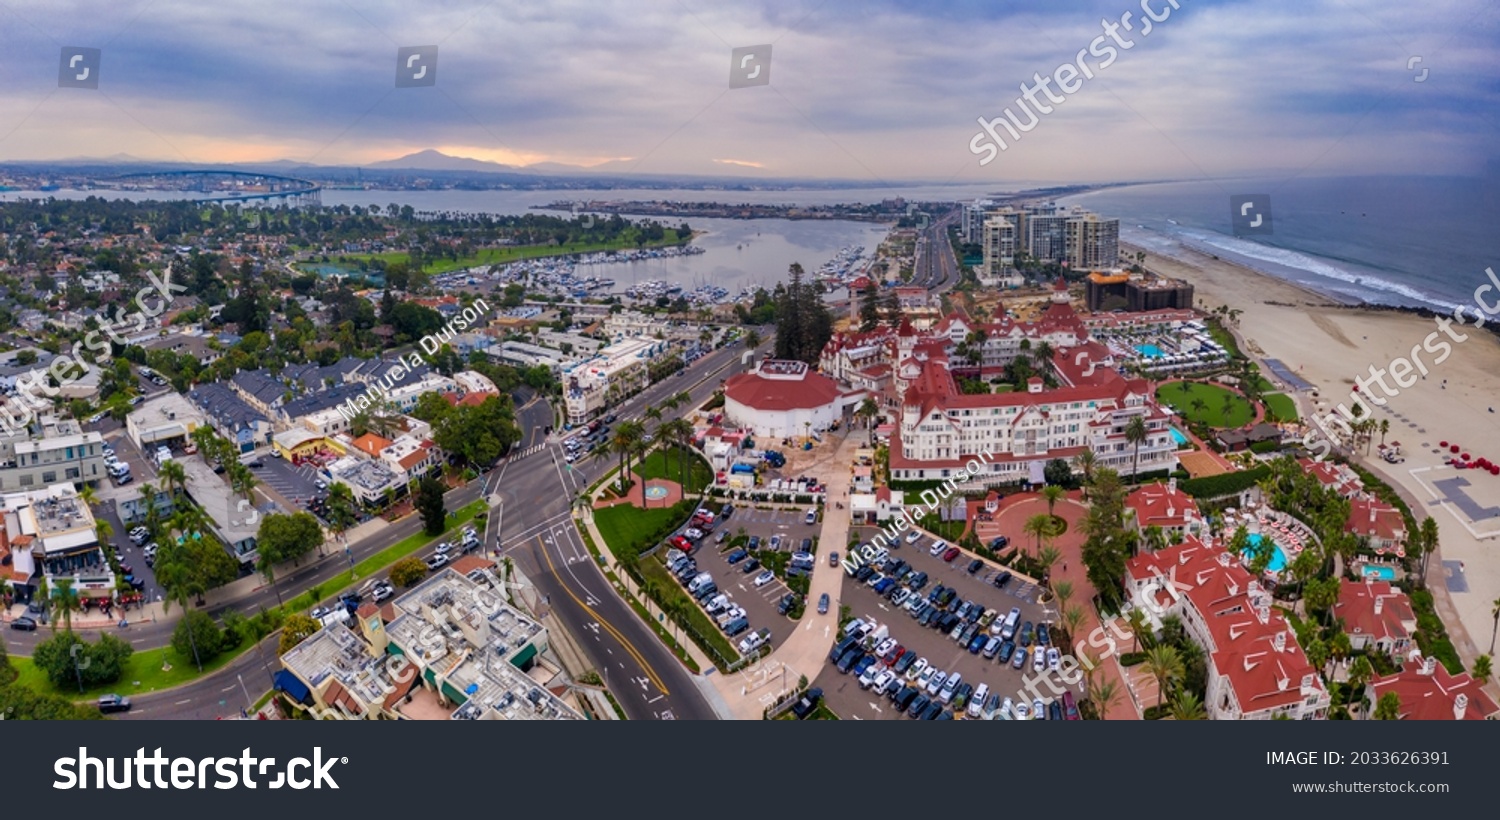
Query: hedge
1215,486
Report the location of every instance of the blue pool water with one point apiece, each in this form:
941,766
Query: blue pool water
1150,351
1380,573
1178,437
1278,558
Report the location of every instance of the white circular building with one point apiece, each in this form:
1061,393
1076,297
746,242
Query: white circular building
782,398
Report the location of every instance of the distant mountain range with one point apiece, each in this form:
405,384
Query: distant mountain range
451,169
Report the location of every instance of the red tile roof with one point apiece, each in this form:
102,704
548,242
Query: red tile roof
1435,696
1356,606
371,444
1375,519
760,393
1161,505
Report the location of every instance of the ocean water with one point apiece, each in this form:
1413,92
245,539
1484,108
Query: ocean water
1395,240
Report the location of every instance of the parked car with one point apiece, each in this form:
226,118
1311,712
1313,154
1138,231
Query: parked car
1002,579
1054,658
764,578
808,704
950,553
1038,659
23,624
1019,661
913,536
736,556
938,546
975,565
811,517
1043,636
751,566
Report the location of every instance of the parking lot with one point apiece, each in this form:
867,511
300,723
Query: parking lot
295,483
760,603
847,699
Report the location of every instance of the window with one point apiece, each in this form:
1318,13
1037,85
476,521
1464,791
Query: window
72,473
49,477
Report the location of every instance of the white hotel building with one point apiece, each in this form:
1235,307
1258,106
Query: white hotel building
941,428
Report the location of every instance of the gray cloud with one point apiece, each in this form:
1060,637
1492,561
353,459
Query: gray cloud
881,90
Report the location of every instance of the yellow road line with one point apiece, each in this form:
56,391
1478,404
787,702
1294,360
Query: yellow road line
629,647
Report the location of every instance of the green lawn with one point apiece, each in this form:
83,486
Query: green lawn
500,256
666,463
708,632
1181,394
630,530
143,673
1280,407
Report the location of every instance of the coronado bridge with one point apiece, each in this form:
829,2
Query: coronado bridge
225,186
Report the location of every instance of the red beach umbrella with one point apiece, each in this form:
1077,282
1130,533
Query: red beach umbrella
1453,449
1442,444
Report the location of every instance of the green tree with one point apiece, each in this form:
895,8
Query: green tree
431,505
1052,494
1482,670
1165,665
1388,707
1043,527
1135,435
197,636
1187,705
408,572
294,630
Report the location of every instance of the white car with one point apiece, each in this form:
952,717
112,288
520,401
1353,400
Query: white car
867,678
916,670
936,684
913,536
1038,659
764,578
938,545
1006,710
945,695
1038,710
900,597
1022,711
885,647
1054,659
883,679
924,680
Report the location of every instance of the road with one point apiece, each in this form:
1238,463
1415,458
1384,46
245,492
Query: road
936,267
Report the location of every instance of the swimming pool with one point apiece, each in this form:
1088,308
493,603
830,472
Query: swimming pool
1379,573
1150,351
1178,436
1278,558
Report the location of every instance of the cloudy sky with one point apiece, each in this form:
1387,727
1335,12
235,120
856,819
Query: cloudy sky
873,90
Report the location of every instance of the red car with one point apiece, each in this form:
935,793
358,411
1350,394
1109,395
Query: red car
894,655
950,554
683,544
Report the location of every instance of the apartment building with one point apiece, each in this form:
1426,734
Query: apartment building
1093,243
606,377
28,462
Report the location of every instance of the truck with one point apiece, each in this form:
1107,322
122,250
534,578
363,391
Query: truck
742,468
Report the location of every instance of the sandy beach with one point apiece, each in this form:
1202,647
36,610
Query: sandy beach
1329,346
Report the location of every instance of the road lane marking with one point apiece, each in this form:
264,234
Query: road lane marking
608,627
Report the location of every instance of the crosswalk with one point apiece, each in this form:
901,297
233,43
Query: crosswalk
532,450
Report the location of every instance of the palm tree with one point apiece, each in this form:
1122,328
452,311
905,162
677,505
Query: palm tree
1198,405
1483,669
103,530
1063,591
1137,620
340,507
1495,616
1135,434
1040,526
1388,707
1428,540
752,339
680,433
1104,693
1072,618
1187,706
1385,427
1047,556
64,599
89,495
1164,664
1052,494
1227,406
174,476
1360,672
1085,462
868,410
